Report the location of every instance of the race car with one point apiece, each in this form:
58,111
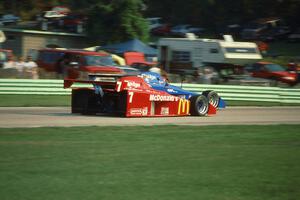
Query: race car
144,95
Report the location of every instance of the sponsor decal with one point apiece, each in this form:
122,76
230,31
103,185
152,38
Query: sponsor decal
183,106
139,111
135,111
158,97
164,111
171,90
132,84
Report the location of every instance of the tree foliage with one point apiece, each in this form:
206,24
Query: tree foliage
116,21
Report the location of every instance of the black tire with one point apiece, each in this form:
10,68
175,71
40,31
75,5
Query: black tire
90,106
78,99
199,105
213,97
84,102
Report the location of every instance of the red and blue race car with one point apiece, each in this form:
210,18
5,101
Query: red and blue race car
145,95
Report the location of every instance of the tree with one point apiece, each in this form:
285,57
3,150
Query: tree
116,21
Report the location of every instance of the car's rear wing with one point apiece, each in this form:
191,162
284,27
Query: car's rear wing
120,84
104,84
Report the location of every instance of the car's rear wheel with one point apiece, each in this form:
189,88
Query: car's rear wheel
199,105
213,97
84,102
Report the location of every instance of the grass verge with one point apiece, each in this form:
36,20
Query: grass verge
34,100
160,162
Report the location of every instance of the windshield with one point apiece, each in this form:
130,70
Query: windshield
274,68
99,61
240,50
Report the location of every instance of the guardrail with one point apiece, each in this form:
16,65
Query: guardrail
249,93
33,87
227,92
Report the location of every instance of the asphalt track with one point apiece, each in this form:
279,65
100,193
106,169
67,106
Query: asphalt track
60,116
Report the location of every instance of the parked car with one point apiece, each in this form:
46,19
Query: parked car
183,29
154,22
72,21
294,36
136,59
162,30
274,72
77,64
50,14
157,27
61,9
9,19
277,33
268,29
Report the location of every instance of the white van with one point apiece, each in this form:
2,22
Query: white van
183,54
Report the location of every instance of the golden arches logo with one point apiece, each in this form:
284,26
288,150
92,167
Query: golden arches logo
183,106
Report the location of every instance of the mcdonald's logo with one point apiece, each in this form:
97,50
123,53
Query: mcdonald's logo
183,106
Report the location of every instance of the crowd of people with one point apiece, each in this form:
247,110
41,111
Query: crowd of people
25,67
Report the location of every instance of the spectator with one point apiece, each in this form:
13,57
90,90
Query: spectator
31,67
207,75
198,75
20,64
10,63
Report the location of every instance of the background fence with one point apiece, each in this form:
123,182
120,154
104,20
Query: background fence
228,92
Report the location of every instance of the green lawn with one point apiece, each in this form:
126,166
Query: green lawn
148,163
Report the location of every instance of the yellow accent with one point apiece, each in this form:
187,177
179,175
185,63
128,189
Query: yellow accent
179,106
188,107
183,106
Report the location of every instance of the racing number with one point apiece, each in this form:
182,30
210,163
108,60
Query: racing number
130,96
119,84
183,106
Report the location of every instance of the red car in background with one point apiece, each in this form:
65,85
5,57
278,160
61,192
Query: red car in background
77,64
274,72
162,30
138,61
73,20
